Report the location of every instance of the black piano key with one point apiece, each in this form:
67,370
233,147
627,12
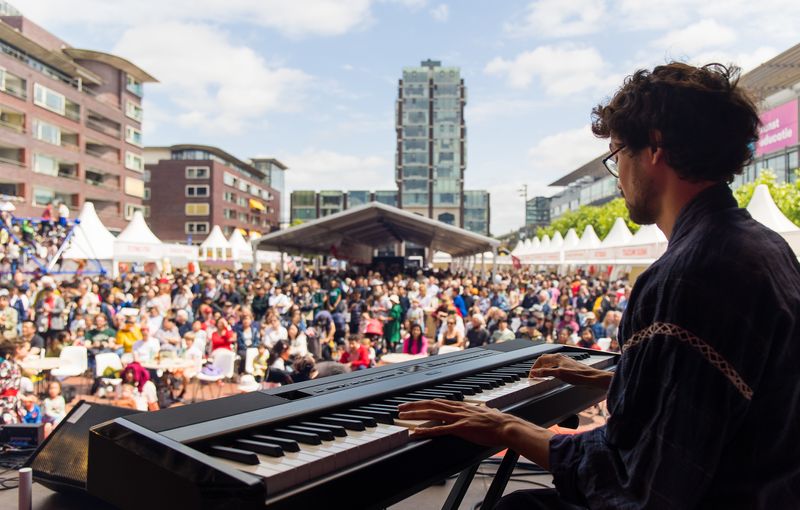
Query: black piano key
288,445
324,434
389,408
404,400
356,425
261,447
337,430
380,415
368,421
484,385
457,394
234,454
504,376
463,388
299,436
445,394
461,384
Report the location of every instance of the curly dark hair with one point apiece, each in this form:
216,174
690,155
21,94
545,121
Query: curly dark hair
708,126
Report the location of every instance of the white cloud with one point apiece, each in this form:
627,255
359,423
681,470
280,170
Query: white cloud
558,154
561,70
441,13
216,85
492,108
698,36
320,169
309,17
557,18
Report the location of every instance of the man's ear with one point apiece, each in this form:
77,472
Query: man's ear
657,153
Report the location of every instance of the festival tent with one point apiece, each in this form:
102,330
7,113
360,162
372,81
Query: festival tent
242,250
180,255
580,253
90,239
646,245
216,247
531,245
137,243
571,240
553,254
618,236
763,209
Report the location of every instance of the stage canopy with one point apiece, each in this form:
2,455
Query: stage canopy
355,232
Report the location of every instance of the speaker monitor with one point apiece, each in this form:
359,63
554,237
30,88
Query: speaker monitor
22,435
61,461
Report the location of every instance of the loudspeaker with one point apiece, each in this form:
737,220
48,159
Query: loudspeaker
60,463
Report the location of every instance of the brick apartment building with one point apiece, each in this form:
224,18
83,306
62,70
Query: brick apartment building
191,188
70,124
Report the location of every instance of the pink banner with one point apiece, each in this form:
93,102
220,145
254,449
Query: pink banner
778,128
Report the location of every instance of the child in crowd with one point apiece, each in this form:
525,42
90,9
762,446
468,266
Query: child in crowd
55,407
31,412
261,362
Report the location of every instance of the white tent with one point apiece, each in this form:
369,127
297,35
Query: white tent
588,242
242,250
90,239
571,240
646,245
216,247
137,243
618,236
553,254
763,209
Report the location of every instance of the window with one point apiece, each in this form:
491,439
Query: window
49,99
134,161
130,209
45,165
2,78
46,132
43,196
196,227
146,211
133,110
133,86
147,193
228,214
241,202
134,187
197,209
229,179
229,197
146,176
197,172
133,135
197,191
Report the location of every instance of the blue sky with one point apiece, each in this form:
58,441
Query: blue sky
313,82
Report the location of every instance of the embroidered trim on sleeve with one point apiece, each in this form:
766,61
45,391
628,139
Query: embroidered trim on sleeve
708,352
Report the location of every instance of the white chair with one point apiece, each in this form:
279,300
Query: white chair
74,362
604,343
106,360
249,357
223,360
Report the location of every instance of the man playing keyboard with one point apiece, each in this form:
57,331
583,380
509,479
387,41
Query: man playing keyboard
709,336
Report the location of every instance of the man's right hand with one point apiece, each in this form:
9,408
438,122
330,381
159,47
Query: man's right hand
570,371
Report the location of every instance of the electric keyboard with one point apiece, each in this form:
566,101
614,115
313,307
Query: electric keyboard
300,445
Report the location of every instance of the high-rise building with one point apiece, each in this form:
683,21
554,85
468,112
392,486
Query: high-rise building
191,188
537,212
431,141
308,205
70,124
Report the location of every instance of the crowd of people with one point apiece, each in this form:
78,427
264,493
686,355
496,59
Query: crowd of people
26,241
305,327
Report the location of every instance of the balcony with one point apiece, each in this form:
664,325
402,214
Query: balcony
12,119
13,85
100,179
104,125
68,170
102,151
12,156
70,141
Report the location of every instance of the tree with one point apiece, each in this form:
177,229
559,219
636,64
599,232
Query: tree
600,217
786,195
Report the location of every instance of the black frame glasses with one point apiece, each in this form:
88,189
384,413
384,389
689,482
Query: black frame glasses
610,162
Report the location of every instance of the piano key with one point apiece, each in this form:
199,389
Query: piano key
235,454
368,421
336,429
300,437
392,409
288,445
403,399
270,449
380,415
355,425
431,394
483,383
507,376
463,388
324,434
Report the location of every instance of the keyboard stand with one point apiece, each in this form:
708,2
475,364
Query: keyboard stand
496,489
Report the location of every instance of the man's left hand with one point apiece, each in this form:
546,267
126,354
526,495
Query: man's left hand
474,423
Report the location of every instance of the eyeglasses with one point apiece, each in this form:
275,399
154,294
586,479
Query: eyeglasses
611,162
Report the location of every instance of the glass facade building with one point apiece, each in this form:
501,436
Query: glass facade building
476,211
537,212
431,141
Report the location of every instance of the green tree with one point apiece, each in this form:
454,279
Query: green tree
600,217
785,195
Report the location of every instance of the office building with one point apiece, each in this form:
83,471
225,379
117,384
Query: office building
191,188
275,173
537,212
308,205
70,124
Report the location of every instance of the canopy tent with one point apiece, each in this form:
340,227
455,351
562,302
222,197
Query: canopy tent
354,233
588,242
137,243
646,245
553,253
242,250
763,209
618,236
571,240
216,247
90,239
529,248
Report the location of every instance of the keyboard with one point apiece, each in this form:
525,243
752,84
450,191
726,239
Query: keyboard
291,446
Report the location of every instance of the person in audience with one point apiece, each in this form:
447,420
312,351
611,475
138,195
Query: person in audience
278,371
356,356
415,342
223,337
55,407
